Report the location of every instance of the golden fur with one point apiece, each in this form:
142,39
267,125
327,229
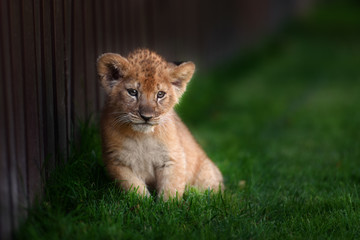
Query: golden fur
145,144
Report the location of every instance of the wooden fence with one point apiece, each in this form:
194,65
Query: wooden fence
48,80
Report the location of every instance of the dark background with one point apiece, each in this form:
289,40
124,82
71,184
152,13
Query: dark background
48,78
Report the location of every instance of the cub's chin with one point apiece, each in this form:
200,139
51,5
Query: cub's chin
144,127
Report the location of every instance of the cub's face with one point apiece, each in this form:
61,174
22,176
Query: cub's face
142,88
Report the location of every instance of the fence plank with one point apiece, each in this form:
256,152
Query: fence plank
126,34
47,88
98,45
5,201
78,74
134,11
118,26
39,90
30,96
107,25
6,209
90,60
67,20
148,21
6,130
60,105
18,171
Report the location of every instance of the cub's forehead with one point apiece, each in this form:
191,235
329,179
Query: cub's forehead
148,69
147,63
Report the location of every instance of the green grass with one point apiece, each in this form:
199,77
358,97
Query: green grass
283,125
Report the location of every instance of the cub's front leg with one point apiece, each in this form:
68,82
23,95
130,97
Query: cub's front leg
127,179
171,179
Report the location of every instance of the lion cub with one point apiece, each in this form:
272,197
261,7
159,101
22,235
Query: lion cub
145,144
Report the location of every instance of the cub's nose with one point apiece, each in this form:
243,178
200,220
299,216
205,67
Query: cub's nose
146,117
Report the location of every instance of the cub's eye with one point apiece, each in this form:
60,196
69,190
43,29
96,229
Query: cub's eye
132,92
160,94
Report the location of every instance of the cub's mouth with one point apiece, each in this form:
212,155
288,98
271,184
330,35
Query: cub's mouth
145,127
146,123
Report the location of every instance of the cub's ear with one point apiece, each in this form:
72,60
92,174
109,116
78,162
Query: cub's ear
181,75
111,68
